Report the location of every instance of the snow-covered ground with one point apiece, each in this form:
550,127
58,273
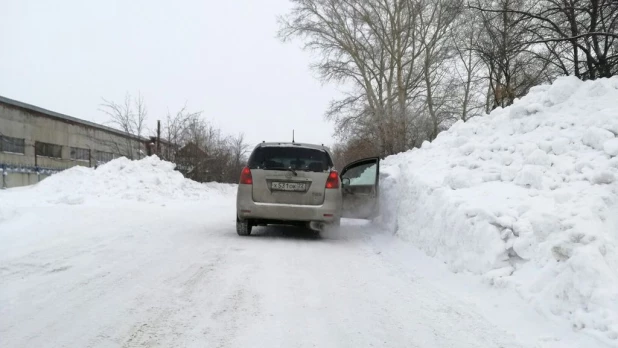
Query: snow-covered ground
134,255
526,197
501,233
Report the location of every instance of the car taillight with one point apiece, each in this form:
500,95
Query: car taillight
245,176
333,180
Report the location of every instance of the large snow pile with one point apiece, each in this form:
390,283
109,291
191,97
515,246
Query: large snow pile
147,180
526,196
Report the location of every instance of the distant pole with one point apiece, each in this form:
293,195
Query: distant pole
292,135
158,137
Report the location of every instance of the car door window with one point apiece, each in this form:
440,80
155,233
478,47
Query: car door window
362,175
360,188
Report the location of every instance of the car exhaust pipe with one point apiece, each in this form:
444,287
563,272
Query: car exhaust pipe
316,225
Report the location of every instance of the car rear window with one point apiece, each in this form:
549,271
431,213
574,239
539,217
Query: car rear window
297,158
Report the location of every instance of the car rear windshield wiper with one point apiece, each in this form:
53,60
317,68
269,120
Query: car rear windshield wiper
282,168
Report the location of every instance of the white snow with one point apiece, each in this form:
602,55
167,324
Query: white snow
611,147
530,176
559,146
146,180
596,137
526,197
133,255
461,177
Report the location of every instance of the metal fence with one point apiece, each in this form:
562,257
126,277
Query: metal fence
14,175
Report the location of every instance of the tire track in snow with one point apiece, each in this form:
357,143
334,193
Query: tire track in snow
205,306
238,305
147,333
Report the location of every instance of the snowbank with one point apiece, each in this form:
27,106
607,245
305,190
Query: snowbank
149,180
526,196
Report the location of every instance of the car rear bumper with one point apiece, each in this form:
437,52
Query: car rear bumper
328,211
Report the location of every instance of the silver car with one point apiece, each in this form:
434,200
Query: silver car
297,184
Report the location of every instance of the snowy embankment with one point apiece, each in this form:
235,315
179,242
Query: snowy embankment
149,180
526,196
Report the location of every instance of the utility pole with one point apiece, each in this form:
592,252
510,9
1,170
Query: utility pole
4,174
158,137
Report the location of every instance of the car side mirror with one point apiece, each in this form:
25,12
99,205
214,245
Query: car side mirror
346,181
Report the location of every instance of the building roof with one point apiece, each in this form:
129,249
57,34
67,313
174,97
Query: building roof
64,118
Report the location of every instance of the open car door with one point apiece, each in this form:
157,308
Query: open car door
360,188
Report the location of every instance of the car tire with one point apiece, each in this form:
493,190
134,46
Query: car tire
243,227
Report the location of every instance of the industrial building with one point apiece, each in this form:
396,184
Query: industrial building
35,143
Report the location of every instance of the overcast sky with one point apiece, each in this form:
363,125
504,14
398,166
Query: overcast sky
220,57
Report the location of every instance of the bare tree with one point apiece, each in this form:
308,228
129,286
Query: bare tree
390,51
176,129
238,151
352,150
201,151
192,156
505,45
581,35
129,116
349,37
435,25
467,70
139,118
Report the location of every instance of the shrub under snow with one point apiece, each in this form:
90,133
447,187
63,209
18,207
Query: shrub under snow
526,196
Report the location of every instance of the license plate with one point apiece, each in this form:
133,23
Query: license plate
288,186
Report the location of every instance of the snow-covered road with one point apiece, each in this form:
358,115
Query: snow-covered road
127,274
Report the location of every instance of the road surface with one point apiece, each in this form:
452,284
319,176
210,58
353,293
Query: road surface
177,275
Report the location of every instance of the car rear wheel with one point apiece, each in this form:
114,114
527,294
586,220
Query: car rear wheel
243,227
